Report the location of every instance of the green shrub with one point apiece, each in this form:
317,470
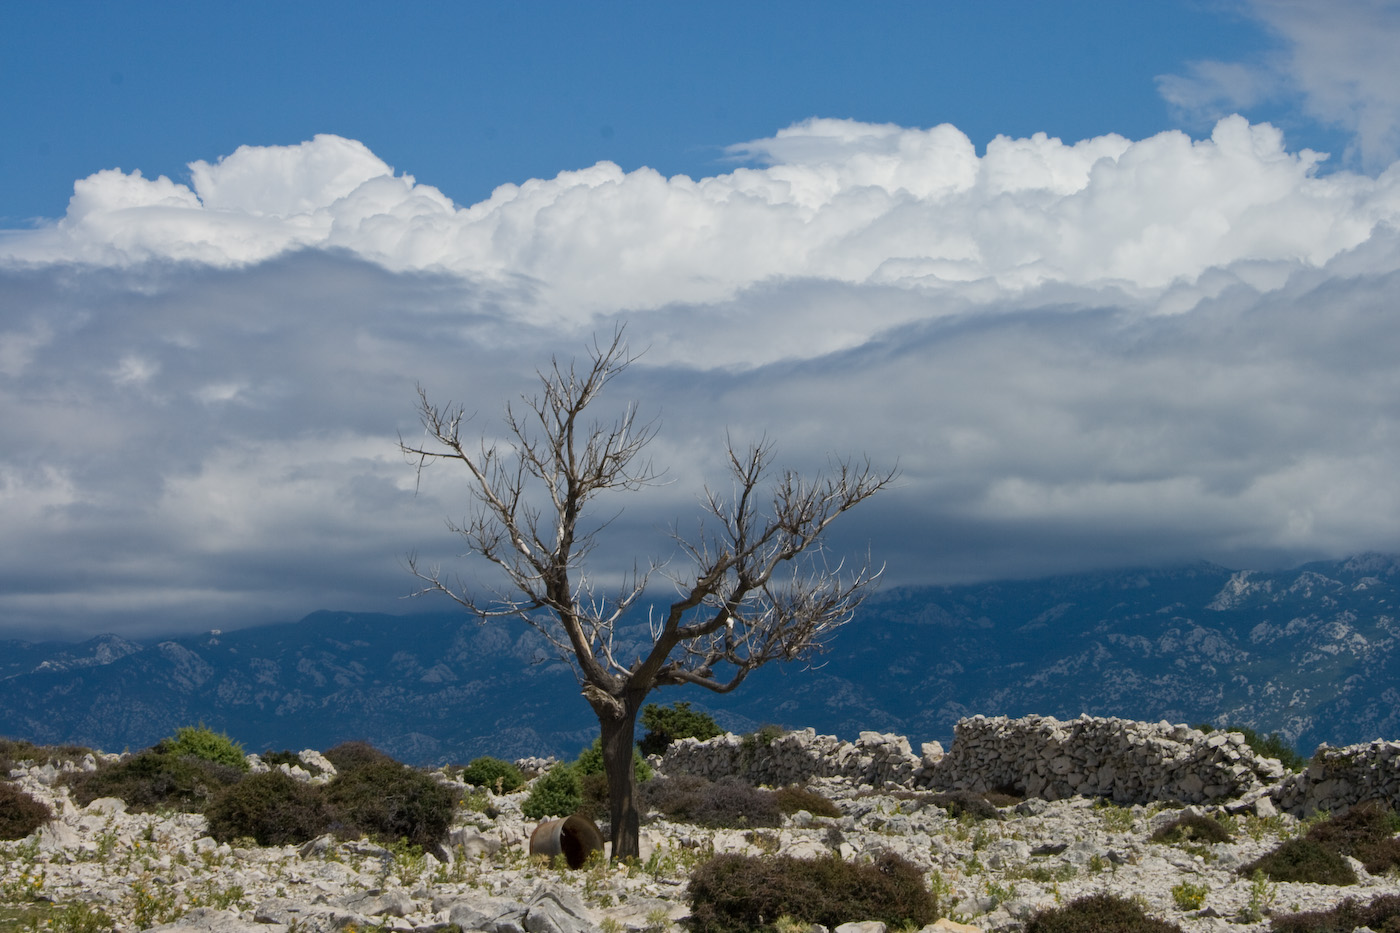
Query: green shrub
1272,745
556,793
678,721
493,773
154,779
272,808
728,803
751,743
1192,827
1188,896
1304,860
388,802
793,798
350,756
739,893
206,744
1099,913
20,813
1382,914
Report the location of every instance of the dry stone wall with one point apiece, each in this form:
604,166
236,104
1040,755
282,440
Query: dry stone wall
1127,761
1038,756
875,759
1339,778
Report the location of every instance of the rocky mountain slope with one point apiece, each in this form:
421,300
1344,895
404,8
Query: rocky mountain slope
1310,653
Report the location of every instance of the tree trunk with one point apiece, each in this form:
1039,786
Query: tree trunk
618,737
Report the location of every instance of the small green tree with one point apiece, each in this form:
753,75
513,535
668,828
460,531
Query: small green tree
666,724
556,793
590,761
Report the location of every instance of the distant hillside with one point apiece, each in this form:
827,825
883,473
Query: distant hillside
1310,653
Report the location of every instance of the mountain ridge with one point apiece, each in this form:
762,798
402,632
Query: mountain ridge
1310,653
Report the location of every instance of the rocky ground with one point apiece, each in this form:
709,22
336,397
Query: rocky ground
149,870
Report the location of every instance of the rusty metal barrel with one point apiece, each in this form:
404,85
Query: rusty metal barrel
574,837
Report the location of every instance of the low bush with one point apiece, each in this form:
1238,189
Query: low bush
1382,914
206,744
15,751
1099,913
965,802
555,793
728,803
739,893
291,759
678,721
284,757
676,797
350,756
1192,827
388,802
20,813
154,779
1003,796
1189,896
1366,832
593,791
272,808
1303,859
494,774
792,798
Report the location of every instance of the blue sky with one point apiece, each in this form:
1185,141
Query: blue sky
466,96
1111,283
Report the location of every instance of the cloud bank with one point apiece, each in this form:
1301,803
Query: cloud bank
1102,353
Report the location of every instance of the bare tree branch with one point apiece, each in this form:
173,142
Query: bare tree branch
759,588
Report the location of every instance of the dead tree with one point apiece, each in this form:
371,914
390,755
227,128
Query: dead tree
757,588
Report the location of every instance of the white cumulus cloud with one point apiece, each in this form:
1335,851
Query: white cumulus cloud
1080,353
834,199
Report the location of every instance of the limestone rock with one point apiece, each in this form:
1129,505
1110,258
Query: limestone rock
209,920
